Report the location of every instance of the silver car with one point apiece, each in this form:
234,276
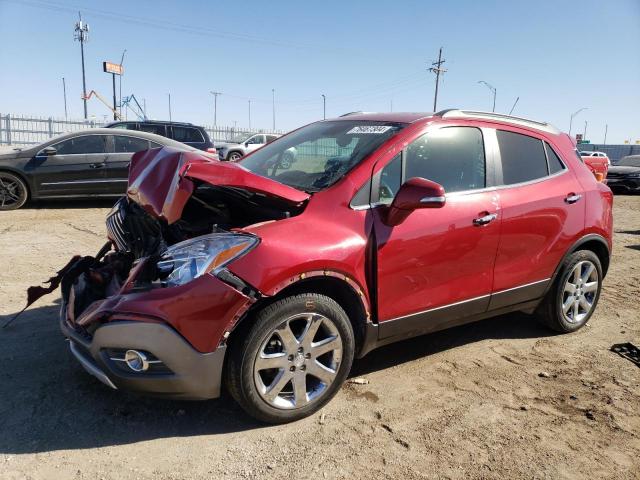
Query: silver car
241,144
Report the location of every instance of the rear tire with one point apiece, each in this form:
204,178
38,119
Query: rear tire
13,191
292,360
573,298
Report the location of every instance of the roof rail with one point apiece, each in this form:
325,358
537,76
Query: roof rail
353,113
527,122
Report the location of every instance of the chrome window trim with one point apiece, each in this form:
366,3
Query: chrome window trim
102,180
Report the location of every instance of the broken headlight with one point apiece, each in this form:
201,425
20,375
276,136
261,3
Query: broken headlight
191,259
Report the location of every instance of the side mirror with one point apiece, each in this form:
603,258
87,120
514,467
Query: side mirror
415,193
48,151
246,144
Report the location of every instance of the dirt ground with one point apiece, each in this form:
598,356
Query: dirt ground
503,398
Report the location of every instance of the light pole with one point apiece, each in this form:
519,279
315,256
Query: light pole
606,127
494,90
573,115
121,73
64,92
273,104
215,109
169,106
584,135
249,114
324,107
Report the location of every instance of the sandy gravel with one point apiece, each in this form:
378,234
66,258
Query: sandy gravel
464,403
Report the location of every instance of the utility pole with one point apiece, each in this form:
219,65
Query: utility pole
115,106
273,103
249,114
121,73
494,90
215,108
573,115
606,127
169,106
436,67
82,35
64,93
324,107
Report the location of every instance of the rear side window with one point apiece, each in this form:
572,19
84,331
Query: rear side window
555,164
523,157
187,134
451,156
124,144
157,129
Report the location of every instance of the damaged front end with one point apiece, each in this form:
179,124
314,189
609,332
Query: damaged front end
158,297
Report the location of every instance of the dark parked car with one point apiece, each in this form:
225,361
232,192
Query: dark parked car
271,280
624,176
192,135
93,162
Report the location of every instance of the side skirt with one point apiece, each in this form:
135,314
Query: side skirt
525,298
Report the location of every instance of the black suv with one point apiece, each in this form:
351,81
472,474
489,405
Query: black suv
192,135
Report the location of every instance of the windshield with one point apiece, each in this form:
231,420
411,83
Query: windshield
243,137
630,161
318,155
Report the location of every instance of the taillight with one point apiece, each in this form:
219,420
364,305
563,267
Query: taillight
599,176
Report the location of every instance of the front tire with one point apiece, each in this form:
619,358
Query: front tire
292,360
574,295
234,156
13,191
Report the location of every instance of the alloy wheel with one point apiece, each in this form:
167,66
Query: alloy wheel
11,191
580,290
298,361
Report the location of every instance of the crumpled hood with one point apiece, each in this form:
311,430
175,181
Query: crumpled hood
160,180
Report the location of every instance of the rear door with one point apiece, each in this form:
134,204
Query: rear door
77,168
122,148
542,214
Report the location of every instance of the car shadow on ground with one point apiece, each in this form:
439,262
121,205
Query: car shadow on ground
49,403
67,203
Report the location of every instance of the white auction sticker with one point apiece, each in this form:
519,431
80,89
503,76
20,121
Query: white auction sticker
374,129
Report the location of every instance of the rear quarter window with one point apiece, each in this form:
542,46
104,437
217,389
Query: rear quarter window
187,134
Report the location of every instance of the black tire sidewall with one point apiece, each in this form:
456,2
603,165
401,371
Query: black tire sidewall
570,263
234,156
265,322
23,186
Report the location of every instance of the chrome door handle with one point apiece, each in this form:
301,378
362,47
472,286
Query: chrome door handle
572,198
97,165
486,219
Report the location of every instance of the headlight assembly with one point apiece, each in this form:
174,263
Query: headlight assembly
193,258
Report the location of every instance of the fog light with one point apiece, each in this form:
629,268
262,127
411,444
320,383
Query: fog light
136,361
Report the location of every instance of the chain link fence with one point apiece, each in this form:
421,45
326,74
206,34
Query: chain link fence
23,130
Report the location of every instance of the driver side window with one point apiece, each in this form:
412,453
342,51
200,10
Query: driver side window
256,139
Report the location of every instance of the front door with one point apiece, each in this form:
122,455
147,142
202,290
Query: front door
255,142
76,168
436,267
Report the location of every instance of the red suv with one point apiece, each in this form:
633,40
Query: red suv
270,277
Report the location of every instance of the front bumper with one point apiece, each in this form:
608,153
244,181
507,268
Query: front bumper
191,375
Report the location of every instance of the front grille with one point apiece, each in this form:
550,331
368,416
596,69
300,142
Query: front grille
115,226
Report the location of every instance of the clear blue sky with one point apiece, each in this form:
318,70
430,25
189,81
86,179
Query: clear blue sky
557,56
